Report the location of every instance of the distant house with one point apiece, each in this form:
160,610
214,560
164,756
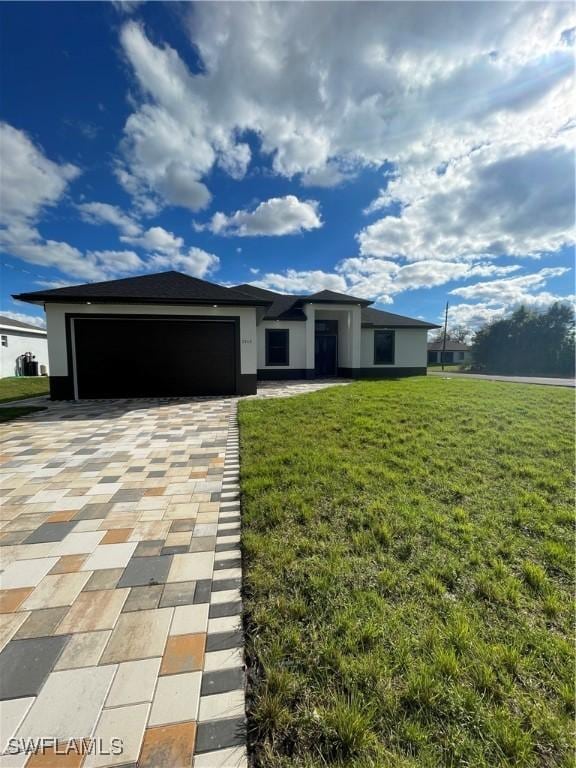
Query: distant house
455,353
18,340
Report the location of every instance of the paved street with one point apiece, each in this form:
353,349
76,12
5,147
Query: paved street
551,382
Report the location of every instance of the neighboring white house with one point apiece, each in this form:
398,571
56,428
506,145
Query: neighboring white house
18,339
454,352
170,334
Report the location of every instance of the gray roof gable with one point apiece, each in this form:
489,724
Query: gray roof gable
290,307
282,306
451,346
18,325
378,318
333,297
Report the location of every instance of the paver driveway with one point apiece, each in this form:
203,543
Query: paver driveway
120,583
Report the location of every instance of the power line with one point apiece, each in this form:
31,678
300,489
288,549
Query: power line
24,271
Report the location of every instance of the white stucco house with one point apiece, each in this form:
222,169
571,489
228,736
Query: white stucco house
170,334
18,339
452,352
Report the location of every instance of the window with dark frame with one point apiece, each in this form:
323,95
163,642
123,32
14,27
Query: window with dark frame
384,347
277,351
4,341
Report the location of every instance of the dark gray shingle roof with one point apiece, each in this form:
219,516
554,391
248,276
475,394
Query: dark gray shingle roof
160,288
289,307
282,307
376,317
332,297
177,288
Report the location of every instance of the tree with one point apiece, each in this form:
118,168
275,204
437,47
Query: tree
456,333
528,342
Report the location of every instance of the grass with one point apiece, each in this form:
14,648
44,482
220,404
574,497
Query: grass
9,414
408,554
447,367
21,387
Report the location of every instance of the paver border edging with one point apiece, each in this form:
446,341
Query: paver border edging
224,739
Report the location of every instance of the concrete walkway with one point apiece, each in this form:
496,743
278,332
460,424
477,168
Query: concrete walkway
552,382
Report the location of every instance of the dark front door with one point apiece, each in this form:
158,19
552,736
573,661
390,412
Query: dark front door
131,357
326,359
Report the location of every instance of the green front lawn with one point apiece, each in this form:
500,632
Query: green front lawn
408,550
21,387
447,367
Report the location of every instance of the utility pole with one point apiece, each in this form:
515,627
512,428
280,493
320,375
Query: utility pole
445,334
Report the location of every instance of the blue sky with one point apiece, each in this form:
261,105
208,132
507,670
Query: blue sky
408,153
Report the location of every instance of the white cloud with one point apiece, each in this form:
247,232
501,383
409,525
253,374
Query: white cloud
179,187
277,216
474,316
167,249
25,242
499,297
30,181
294,281
413,84
117,261
513,200
382,279
512,290
156,239
469,104
126,6
195,262
98,213
328,176
22,317
53,283
166,148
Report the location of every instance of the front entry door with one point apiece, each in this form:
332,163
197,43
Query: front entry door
326,357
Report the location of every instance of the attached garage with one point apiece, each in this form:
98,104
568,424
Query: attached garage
160,335
153,357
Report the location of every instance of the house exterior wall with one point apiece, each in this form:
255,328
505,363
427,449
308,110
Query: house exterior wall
349,334
296,350
61,376
410,353
450,356
355,344
20,342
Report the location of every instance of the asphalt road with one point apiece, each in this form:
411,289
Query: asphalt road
551,382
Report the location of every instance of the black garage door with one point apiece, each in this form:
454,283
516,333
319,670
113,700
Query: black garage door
154,357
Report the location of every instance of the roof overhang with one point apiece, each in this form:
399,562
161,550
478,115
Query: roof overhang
422,326
352,302
38,298
18,329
